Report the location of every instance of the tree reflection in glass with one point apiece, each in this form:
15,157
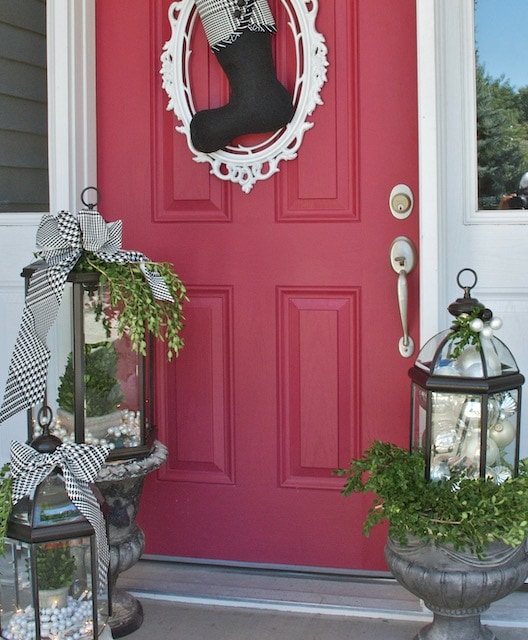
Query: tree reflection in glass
502,104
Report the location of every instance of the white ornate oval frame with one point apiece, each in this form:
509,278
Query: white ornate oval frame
245,165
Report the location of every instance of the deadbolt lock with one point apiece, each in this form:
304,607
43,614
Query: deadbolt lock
401,201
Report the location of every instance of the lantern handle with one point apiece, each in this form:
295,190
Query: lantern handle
91,205
467,303
466,287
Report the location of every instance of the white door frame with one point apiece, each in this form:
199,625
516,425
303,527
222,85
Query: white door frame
71,101
433,240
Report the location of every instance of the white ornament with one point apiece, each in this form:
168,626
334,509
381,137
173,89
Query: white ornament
486,332
471,449
470,363
503,433
439,471
476,325
508,405
495,323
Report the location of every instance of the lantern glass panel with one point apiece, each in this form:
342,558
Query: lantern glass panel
111,386
504,432
98,385
55,578
452,429
51,505
15,585
439,357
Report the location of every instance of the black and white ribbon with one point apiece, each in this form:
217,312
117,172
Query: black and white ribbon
80,464
61,241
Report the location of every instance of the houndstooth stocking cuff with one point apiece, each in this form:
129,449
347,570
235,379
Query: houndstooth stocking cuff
225,20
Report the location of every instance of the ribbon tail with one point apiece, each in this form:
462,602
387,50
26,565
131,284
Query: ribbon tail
82,463
26,382
157,284
84,499
17,395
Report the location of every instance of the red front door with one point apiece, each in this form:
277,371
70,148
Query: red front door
291,365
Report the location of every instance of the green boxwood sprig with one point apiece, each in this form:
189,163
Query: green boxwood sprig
137,311
467,513
462,334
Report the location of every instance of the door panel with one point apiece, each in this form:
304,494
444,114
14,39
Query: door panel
291,365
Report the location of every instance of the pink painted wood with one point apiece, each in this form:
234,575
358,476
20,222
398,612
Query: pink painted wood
291,365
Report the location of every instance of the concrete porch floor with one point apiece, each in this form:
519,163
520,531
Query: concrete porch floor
203,602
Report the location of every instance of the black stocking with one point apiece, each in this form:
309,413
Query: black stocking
258,102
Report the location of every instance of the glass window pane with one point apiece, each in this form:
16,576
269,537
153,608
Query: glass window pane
23,106
502,103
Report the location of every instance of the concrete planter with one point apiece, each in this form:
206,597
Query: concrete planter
121,483
456,586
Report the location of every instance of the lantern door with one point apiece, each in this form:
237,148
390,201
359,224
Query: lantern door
49,585
98,386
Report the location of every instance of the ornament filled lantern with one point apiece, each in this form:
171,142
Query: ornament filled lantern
466,397
54,569
109,303
102,389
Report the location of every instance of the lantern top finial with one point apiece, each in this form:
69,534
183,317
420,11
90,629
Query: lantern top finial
45,442
467,303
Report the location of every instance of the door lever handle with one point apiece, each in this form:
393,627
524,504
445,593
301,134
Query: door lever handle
403,260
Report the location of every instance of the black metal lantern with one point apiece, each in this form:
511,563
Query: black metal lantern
99,388
49,569
466,397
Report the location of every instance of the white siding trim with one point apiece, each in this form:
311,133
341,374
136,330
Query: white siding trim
71,101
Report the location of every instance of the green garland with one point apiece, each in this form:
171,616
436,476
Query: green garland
467,513
462,334
138,312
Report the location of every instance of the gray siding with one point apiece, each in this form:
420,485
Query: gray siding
23,106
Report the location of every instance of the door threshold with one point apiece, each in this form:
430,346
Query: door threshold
280,569
295,590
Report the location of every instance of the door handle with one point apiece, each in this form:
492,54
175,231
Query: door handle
403,259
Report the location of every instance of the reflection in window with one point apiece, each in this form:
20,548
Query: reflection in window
502,105
23,106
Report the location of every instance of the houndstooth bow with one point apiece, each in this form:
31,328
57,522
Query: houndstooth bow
80,464
61,240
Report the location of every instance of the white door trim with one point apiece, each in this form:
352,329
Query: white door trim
430,114
71,101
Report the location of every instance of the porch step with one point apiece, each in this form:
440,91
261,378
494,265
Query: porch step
294,590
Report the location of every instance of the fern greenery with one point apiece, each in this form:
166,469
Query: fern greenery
467,513
138,312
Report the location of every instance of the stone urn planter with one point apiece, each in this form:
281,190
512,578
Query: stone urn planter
121,483
456,586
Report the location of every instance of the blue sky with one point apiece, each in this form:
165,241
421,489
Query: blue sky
502,38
